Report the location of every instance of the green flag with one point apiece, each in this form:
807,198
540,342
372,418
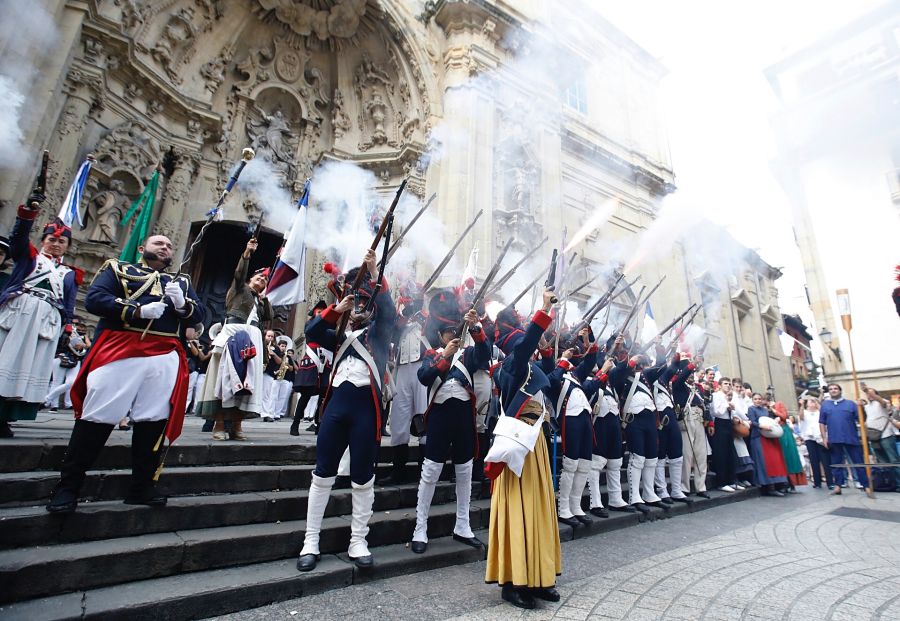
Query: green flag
144,203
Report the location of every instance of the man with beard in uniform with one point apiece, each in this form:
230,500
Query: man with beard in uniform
136,359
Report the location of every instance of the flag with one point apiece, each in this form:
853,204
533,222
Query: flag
787,342
286,282
471,266
69,213
648,329
144,204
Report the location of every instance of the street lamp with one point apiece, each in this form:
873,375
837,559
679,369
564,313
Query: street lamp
809,364
826,336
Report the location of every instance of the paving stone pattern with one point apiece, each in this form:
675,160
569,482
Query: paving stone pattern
796,558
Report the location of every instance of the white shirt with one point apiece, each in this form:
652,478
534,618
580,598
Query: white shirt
662,398
720,405
352,369
640,400
877,418
577,402
410,344
452,389
608,405
809,426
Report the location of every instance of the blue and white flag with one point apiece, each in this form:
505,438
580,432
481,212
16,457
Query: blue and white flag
69,212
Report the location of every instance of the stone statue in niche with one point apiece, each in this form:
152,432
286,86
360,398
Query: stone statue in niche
274,128
273,139
376,114
108,208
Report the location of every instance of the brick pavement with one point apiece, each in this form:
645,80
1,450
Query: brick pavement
806,557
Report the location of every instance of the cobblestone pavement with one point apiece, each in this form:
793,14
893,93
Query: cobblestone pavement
805,557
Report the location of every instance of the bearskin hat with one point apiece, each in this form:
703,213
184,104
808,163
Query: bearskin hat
443,314
508,329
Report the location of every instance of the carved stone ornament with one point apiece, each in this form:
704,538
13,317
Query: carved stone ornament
213,72
328,23
172,44
378,113
129,146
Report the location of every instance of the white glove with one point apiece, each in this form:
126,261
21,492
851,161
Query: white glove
174,293
153,310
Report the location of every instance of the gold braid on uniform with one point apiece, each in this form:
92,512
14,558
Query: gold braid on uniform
148,280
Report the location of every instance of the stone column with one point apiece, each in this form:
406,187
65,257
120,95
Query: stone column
84,95
171,220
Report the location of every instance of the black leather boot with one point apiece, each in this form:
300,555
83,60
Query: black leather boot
85,443
144,462
397,475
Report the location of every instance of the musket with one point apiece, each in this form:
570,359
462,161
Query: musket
629,317
640,303
384,260
551,275
446,260
509,274
581,286
674,341
668,327
605,299
363,269
396,245
482,291
627,286
40,182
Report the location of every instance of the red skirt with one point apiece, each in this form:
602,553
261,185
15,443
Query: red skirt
774,457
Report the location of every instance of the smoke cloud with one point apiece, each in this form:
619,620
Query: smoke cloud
27,32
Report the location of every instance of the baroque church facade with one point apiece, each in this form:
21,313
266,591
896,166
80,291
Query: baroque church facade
184,85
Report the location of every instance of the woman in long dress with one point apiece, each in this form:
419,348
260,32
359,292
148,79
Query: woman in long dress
247,311
768,459
38,300
796,475
524,554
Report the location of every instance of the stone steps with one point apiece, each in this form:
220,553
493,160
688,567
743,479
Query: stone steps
46,570
215,591
33,525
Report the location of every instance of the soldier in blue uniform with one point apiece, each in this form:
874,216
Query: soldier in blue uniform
450,415
569,392
353,408
136,359
670,451
607,450
632,380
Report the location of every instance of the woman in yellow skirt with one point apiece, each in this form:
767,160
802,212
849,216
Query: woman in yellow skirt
524,554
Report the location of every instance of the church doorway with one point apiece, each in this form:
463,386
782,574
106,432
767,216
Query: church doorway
215,260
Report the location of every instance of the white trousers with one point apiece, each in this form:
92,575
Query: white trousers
410,398
270,394
693,438
61,383
141,386
283,397
195,387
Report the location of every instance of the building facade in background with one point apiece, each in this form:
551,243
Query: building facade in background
839,152
455,95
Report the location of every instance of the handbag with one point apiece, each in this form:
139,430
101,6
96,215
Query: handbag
513,440
417,425
874,435
740,428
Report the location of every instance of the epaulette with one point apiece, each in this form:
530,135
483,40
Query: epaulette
113,264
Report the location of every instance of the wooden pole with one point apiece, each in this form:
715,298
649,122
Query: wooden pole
870,491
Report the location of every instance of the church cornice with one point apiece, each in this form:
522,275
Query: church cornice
113,54
643,173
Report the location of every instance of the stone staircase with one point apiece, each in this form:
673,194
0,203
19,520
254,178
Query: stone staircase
228,539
